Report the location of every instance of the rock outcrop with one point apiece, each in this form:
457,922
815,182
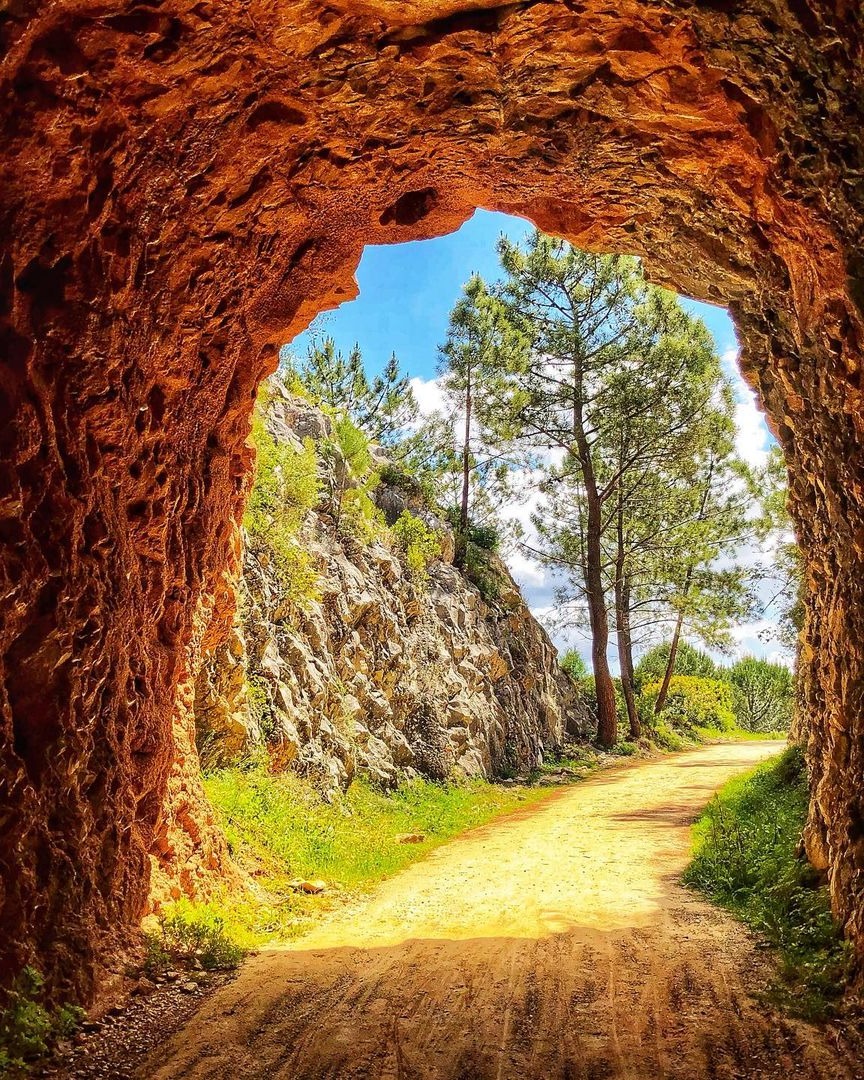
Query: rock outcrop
184,185
383,674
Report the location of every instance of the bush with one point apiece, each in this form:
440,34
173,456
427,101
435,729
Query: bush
356,512
688,661
763,694
482,536
482,572
192,934
28,1028
745,858
692,703
394,475
418,542
573,664
284,492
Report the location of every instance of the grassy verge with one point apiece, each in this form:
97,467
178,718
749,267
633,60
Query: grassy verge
281,832
745,859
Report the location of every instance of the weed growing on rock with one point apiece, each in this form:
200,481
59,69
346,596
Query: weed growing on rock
746,858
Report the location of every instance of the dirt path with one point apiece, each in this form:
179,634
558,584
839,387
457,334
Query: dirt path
554,943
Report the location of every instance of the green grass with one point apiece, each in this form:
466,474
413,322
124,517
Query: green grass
280,831
745,859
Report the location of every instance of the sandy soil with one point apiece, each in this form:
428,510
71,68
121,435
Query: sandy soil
553,943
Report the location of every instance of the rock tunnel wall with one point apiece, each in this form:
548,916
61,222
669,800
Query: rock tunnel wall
185,185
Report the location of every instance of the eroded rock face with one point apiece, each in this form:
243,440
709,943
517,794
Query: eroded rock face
384,675
184,185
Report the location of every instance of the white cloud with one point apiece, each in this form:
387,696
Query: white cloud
752,439
429,395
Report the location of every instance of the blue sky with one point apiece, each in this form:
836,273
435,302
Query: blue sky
407,291
406,294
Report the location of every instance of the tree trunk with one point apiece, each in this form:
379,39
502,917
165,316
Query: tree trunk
670,666
622,626
679,622
462,537
625,652
607,710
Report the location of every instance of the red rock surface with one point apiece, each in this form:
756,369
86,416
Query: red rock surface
185,184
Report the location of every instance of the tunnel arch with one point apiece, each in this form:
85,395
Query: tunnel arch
184,187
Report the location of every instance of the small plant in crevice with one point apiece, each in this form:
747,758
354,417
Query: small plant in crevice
481,571
260,707
29,1028
353,480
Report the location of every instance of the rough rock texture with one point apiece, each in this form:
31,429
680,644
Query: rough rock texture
384,676
185,184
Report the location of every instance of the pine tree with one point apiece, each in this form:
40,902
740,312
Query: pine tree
383,407
623,390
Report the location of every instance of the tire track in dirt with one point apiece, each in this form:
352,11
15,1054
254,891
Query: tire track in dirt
553,943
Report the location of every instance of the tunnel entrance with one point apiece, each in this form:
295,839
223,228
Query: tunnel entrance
183,190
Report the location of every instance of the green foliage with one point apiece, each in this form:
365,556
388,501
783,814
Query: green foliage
280,827
745,858
574,665
625,748
480,569
191,934
382,407
688,661
28,1027
418,542
259,705
662,734
763,694
397,474
771,486
483,535
693,703
284,492
355,480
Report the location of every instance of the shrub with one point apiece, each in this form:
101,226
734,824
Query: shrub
625,748
284,492
745,858
763,694
482,536
28,1028
664,736
356,513
192,934
418,542
394,475
573,664
478,569
688,661
692,703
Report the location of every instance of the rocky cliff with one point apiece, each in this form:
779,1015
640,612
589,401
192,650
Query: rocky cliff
383,672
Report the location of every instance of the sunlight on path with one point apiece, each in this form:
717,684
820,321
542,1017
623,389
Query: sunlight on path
554,943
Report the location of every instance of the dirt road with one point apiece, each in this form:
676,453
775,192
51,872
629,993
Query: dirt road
554,943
